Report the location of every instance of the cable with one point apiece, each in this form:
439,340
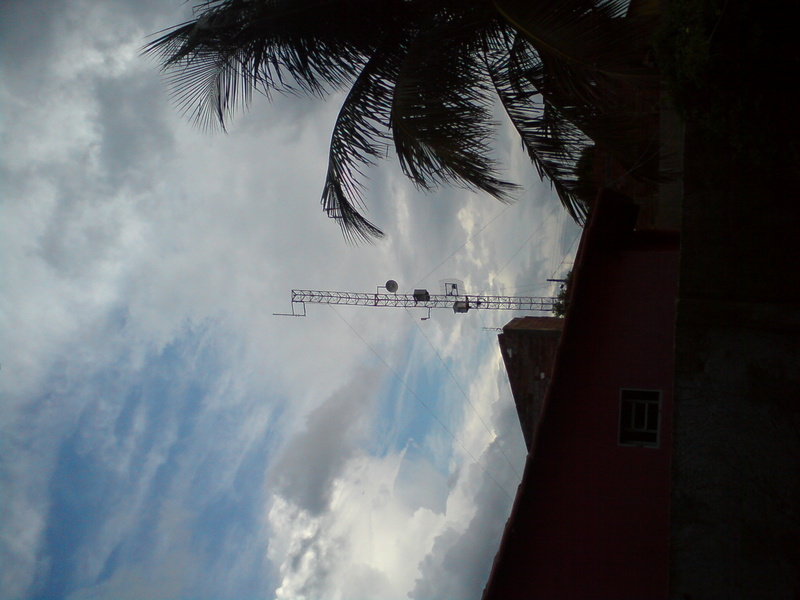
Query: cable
423,404
476,234
566,254
513,256
461,389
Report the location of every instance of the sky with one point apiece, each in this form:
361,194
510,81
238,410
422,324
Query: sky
162,434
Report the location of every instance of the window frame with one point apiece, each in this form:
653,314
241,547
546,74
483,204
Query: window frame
628,395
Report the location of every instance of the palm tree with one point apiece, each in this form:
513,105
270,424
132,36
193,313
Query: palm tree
423,75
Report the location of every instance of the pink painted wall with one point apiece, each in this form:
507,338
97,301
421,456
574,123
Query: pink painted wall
592,518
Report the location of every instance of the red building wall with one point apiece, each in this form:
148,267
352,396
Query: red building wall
591,520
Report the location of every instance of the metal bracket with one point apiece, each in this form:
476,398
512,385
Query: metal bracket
293,313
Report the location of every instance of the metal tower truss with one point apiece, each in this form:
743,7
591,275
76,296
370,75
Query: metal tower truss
460,303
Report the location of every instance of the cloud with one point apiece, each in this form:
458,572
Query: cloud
420,484
365,541
133,142
174,569
171,439
314,458
459,562
400,519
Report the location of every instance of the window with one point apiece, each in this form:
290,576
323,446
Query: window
639,417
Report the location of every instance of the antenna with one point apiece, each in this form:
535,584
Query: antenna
454,299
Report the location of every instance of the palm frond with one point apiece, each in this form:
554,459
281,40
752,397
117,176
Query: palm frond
441,110
595,37
592,59
553,145
618,127
214,62
360,136
423,74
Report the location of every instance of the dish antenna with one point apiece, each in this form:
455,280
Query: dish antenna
391,286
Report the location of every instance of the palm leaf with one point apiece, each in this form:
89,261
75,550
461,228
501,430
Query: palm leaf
423,72
232,47
441,110
615,126
360,136
595,37
592,61
553,145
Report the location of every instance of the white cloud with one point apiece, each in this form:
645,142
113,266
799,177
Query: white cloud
312,460
384,516
459,562
367,532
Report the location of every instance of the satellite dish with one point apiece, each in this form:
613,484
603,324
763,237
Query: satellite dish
391,286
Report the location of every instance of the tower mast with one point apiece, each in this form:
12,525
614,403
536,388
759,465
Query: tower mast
420,298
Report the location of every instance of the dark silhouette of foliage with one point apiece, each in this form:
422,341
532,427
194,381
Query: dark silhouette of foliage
423,76
562,302
587,186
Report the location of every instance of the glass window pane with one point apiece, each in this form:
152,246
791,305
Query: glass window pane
639,417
